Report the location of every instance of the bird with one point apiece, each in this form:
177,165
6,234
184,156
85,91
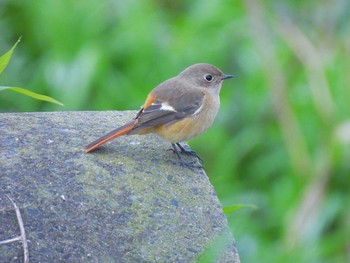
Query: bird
178,109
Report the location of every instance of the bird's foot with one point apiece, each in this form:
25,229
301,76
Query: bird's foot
186,150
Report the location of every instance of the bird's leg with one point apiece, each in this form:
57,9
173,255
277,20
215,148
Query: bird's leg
187,150
183,163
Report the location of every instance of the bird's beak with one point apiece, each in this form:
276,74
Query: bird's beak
227,76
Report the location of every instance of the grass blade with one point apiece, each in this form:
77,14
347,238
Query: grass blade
4,59
32,94
233,208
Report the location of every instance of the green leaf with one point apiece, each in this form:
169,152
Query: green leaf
4,59
31,94
234,208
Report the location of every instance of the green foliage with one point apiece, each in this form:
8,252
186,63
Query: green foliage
4,60
233,208
281,140
31,94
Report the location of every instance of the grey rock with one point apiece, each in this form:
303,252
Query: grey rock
129,201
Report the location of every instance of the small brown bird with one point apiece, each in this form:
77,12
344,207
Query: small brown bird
178,109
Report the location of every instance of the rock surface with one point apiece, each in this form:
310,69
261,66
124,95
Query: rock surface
128,201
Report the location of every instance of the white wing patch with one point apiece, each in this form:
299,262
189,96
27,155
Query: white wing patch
165,106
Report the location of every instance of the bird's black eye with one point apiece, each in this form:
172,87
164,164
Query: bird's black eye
208,77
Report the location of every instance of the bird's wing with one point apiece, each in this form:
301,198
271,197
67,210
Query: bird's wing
166,109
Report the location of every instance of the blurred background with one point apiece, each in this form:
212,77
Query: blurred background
281,141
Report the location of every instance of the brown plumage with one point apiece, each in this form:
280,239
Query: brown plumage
178,109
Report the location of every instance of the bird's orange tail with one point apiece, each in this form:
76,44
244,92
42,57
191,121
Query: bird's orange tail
110,136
